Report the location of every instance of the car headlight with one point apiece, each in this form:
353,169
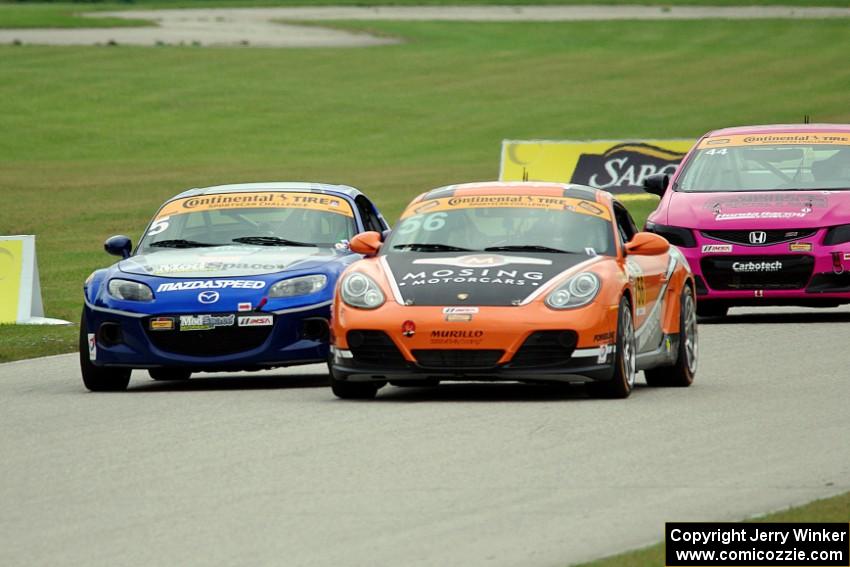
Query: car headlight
359,290
303,285
675,235
577,291
837,235
129,290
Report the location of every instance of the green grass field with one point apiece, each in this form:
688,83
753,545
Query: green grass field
94,138
835,509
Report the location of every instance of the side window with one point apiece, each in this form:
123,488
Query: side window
625,225
371,221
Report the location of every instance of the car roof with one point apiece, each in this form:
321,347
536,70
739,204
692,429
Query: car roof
542,188
774,128
300,186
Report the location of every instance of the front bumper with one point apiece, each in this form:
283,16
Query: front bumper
528,343
819,276
294,338
584,366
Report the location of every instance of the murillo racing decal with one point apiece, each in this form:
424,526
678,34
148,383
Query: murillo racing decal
451,337
210,284
508,201
259,200
775,139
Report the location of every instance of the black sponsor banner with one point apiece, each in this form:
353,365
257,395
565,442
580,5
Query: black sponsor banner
623,167
695,544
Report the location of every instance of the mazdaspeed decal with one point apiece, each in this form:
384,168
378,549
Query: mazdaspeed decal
776,138
211,284
258,200
581,206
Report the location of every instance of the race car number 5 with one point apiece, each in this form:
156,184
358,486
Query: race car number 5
159,225
429,223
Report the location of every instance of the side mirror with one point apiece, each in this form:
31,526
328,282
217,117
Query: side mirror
656,184
118,245
647,244
366,243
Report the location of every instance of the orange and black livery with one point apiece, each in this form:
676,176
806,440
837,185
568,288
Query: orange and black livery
525,281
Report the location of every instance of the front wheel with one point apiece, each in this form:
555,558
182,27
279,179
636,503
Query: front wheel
625,359
682,373
97,378
346,390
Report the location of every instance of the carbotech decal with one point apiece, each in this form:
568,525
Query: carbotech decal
776,139
570,204
259,200
210,284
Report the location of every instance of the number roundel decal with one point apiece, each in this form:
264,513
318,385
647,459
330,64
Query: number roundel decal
158,226
428,223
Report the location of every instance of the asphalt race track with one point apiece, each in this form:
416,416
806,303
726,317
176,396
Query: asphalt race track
272,470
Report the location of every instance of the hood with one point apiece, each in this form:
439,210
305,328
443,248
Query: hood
764,209
461,278
228,261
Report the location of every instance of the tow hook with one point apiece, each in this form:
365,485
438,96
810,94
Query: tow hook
837,265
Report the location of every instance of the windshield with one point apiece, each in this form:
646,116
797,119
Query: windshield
504,223
273,218
766,167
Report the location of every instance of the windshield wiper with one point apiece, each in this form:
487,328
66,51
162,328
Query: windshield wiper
180,243
425,247
526,248
270,241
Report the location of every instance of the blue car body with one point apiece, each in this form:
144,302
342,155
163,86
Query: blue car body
202,297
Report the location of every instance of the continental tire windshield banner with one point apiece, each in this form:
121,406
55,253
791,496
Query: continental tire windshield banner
618,166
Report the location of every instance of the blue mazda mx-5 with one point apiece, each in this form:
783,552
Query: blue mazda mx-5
234,277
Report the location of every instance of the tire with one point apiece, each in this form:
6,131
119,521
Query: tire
353,390
625,372
712,309
169,373
681,374
96,378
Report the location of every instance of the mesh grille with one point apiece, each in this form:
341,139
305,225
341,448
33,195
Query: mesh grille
458,358
757,272
771,236
546,348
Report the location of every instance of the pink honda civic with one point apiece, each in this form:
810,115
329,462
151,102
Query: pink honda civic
762,213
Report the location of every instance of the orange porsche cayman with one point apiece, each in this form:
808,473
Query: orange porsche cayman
530,282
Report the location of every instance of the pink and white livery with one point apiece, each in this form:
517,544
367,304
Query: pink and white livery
762,214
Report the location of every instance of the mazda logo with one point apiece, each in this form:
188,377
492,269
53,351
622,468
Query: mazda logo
758,237
208,296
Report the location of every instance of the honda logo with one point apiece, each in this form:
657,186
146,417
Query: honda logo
758,237
208,296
